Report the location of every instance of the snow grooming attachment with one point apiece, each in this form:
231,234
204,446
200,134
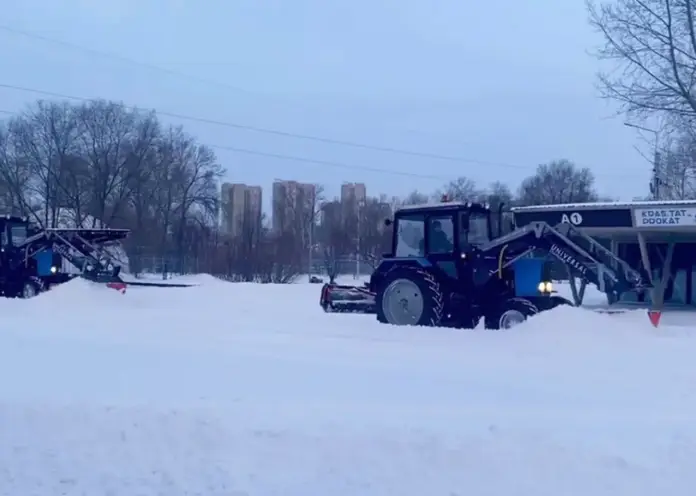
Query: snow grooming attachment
118,286
448,268
346,299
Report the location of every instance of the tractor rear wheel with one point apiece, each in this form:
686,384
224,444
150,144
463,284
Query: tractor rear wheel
410,296
511,313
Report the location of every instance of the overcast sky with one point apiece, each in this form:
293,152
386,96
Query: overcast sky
502,85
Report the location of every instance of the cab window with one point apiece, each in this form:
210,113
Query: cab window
440,234
478,228
18,234
410,238
474,229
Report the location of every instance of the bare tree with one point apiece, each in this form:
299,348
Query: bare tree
143,188
197,176
333,236
676,168
45,141
281,265
415,197
461,189
375,236
560,181
107,138
247,250
498,193
15,176
307,209
651,45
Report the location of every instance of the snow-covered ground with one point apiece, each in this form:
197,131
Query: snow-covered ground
244,389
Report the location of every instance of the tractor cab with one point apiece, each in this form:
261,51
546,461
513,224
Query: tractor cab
445,230
13,231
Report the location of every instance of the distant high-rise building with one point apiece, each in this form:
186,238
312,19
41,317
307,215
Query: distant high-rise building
353,196
353,193
293,203
253,198
240,208
284,198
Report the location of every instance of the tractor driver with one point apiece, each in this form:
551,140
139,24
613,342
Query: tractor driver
440,241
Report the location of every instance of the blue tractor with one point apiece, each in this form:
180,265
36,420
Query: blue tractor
453,264
31,258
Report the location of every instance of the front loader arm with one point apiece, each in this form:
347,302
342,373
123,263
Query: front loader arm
585,257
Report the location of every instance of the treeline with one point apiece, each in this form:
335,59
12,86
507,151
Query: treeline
67,165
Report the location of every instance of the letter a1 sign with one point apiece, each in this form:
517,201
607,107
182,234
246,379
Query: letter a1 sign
575,218
654,316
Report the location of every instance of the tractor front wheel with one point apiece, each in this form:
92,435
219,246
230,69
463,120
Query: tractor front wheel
511,313
410,296
31,287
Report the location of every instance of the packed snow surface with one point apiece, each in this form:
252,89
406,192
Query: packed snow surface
244,389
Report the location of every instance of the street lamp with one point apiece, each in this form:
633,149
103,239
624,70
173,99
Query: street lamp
655,185
310,255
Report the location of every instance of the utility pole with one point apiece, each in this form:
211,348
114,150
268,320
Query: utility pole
312,223
310,249
655,181
357,244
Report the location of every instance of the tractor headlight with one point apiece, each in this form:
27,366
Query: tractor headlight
54,269
545,287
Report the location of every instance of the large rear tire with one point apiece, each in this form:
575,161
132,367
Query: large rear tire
511,313
410,296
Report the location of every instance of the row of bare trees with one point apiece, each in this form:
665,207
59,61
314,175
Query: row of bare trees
100,163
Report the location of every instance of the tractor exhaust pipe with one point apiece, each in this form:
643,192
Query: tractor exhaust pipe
500,218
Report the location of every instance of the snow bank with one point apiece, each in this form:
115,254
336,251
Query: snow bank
564,320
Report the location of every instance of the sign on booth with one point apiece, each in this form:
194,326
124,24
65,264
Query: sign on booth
665,217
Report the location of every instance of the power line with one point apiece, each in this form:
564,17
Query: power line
329,163
110,55
326,163
286,134
170,72
114,56
292,135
